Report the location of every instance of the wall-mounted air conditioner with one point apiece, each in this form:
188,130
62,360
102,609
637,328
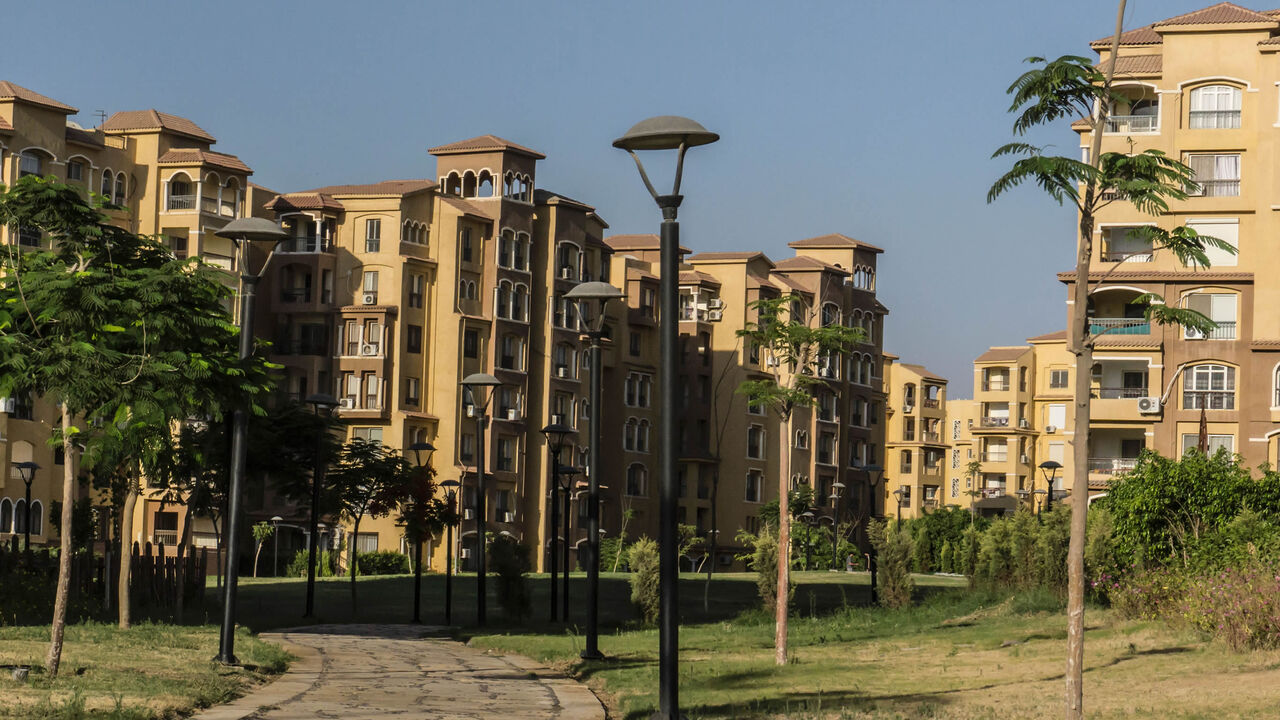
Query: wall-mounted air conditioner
346,403
1025,424
715,315
8,405
508,517
369,299
1149,405
471,410
468,514
512,414
1051,429
715,304
1024,459
368,350
562,371
566,273
466,553
771,361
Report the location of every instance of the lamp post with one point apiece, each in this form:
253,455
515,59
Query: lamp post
667,132
899,494
243,232
556,433
1037,502
592,300
275,545
473,387
875,474
1050,469
27,471
423,473
451,500
837,490
808,518
323,405
566,487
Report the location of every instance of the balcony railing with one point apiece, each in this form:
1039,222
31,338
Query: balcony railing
1214,119
995,385
209,205
169,538
1133,256
993,492
305,244
1209,399
994,422
1215,188
1115,393
1225,330
1119,326
1112,465
995,457
302,294
931,403
931,437
182,202
1132,123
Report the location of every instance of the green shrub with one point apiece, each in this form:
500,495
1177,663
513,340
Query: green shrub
382,562
1051,548
922,549
1024,531
645,591
995,554
967,557
326,564
612,548
893,559
946,559
509,561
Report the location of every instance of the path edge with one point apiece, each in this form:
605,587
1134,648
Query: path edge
576,700
301,674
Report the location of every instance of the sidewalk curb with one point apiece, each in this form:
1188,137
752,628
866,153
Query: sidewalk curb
576,700
302,674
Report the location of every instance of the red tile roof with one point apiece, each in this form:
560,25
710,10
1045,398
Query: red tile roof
128,120
697,277
633,242
1002,354
465,207
795,286
484,143
1220,14
833,240
5,126
1135,65
303,201
923,372
83,137
10,91
1049,337
204,157
746,255
801,263
1141,36
378,189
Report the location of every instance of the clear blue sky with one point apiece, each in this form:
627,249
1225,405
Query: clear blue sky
873,119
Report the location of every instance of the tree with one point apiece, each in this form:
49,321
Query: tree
799,345
117,331
261,533
1067,88
371,480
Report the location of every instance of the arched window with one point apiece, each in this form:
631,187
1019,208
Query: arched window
468,184
565,361
20,516
485,187
1275,387
520,303
755,442
30,163
642,437
830,314
520,260
1209,386
506,249
108,181
629,432
637,479
453,184
6,515
502,303
37,517
567,257
119,189
1215,107
181,192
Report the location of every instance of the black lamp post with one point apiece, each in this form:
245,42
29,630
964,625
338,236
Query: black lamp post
27,471
555,433
667,132
875,474
592,300
899,494
808,518
837,490
324,405
243,232
566,487
450,499
418,448
473,387
275,545
1038,502
1050,469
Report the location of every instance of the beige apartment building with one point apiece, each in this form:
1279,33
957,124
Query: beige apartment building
916,444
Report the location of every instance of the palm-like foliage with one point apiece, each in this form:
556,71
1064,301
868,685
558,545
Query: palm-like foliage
370,480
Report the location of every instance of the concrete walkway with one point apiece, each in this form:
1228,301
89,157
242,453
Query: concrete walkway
371,672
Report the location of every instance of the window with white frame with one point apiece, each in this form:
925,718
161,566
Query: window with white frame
1191,441
755,442
754,483
506,249
1218,307
368,434
642,437
1057,379
370,284
629,431
1215,107
1209,386
802,439
827,448
1275,388
75,170
637,479
1214,174
372,235
1226,230
506,454
29,163
411,391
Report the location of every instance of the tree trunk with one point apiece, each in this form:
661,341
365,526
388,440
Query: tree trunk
784,540
64,556
1083,352
184,547
355,535
126,554
715,537
257,554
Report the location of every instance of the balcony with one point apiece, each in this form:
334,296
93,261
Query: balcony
1133,256
304,244
181,202
1119,326
1113,393
1214,119
995,457
168,538
1225,330
931,403
994,422
931,437
1111,465
1132,124
293,295
992,492
995,385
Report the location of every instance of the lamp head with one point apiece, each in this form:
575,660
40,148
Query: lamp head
556,432
420,447
596,296
27,470
665,132
276,520
322,402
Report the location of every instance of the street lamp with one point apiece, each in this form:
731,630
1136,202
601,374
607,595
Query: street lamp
423,470
450,499
899,494
837,490
27,471
275,545
667,132
875,474
592,300
566,487
808,518
555,433
473,387
244,232
323,405
1050,469
1038,502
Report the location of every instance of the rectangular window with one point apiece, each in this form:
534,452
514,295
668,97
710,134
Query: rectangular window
368,434
1190,441
467,448
413,338
1218,307
1056,416
416,283
75,170
471,343
506,454
1216,175
372,235
755,442
1057,379
464,241
1211,387
411,390
1228,231
371,283
635,344
648,297
29,164
367,542
754,481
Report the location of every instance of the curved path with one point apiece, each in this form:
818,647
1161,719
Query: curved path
372,672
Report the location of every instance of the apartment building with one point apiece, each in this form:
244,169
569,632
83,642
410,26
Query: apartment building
915,446
161,171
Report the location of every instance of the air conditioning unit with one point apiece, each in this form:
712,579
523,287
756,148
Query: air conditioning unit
471,410
346,403
9,405
369,299
771,361
827,372
1191,334
1025,424
1051,429
1149,405
466,553
1024,459
508,517
468,514
715,304
512,414
715,315
368,350
566,273
562,371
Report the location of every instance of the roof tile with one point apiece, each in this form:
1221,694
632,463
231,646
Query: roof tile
83,137
11,91
204,157
1002,354
303,201
385,187
833,240
1135,65
1140,36
127,120
484,143
1222,13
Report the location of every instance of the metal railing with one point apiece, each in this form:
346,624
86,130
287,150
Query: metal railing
994,422
1127,256
931,437
168,537
181,202
995,385
931,403
1111,465
1115,393
993,492
908,436
1214,119
209,205
1225,330
995,456
1209,399
1215,188
1132,123
1119,326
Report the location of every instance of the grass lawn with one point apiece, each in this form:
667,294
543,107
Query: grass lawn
150,671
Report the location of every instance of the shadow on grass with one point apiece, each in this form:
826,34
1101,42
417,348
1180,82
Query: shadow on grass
804,702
